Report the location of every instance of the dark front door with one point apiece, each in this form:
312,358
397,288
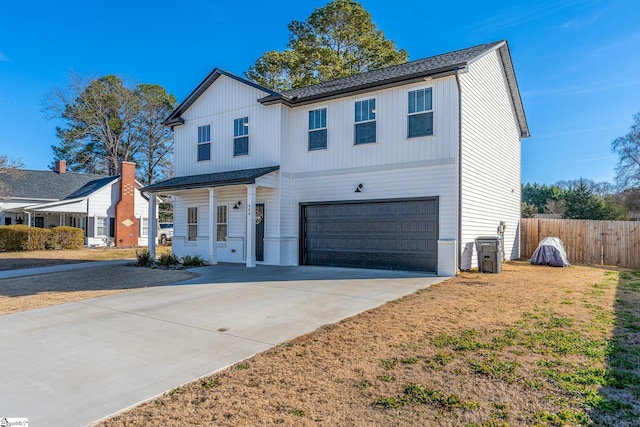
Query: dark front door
260,232
38,222
393,234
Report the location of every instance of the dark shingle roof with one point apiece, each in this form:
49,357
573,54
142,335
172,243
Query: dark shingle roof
420,68
50,185
217,179
434,67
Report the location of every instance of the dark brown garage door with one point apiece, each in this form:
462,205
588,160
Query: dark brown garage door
396,235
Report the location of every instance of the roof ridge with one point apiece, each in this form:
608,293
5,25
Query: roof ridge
390,67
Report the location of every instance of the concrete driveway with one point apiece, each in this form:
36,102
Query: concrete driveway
77,363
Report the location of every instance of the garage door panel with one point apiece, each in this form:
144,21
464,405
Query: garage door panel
392,234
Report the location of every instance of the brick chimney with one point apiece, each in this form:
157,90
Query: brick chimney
61,166
126,233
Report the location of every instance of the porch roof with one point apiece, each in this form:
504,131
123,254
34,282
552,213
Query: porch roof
207,180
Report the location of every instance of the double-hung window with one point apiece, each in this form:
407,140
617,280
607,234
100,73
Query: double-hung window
420,119
365,122
192,224
204,143
241,137
222,223
101,226
144,227
318,129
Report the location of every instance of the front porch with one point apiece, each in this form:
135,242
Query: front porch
240,208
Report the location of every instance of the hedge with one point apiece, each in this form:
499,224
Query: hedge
66,238
24,238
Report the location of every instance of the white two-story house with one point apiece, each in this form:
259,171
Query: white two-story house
398,168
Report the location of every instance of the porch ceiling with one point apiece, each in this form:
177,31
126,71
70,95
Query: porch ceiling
208,180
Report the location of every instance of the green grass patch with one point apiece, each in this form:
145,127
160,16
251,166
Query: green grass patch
416,394
493,367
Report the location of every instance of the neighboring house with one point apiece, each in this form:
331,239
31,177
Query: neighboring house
398,168
111,209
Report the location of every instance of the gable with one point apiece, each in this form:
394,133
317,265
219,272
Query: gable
176,119
222,96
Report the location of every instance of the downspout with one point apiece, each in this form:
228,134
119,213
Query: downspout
459,167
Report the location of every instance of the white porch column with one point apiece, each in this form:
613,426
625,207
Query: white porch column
213,226
251,225
152,232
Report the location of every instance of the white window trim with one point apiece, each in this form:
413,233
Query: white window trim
106,226
248,136
187,240
321,107
202,143
144,221
433,103
364,121
226,237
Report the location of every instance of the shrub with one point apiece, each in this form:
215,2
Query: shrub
23,238
192,261
66,238
144,258
168,259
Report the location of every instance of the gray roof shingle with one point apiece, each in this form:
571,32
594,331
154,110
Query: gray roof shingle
434,66
216,179
50,185
420,67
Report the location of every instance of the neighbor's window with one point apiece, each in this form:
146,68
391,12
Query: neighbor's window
101,226
192,223
241,136
365,127
222,223
144,227
204,143
318,129
420,119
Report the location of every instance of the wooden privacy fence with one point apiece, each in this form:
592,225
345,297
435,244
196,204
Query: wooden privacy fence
586,242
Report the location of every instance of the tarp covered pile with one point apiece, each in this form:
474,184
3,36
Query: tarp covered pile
550,251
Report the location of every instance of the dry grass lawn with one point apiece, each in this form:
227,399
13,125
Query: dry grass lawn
29,292
30,259
531,346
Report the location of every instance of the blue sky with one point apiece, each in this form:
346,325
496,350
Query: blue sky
577,62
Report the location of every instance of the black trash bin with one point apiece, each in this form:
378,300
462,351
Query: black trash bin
489,250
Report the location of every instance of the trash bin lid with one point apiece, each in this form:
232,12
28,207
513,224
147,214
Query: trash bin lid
491,238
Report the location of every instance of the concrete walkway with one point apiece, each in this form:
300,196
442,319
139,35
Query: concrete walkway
8,274
77,363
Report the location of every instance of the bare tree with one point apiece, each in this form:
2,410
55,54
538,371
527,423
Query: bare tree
156,148
555,207
628,149
100,117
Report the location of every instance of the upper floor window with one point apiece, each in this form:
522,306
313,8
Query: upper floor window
365,126
241,136
192,224
222,223
420,120
318,129
204,144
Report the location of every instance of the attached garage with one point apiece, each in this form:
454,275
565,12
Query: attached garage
389,234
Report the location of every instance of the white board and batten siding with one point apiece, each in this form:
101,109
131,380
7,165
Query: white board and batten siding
490,155
392,146
234,248
394,167
223,102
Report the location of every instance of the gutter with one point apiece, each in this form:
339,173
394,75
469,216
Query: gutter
459,166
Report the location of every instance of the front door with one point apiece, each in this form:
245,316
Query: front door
260,232
38,222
